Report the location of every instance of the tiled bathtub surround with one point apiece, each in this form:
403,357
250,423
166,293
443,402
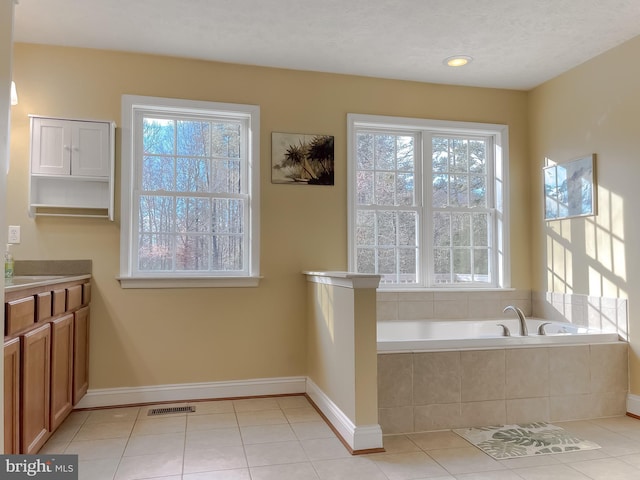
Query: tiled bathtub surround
607,314
449,305
442,390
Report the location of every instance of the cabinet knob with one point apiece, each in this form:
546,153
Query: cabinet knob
66,147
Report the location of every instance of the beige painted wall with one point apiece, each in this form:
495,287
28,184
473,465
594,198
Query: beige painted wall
592,109
6,57
151,337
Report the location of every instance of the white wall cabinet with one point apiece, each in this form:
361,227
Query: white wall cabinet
72,164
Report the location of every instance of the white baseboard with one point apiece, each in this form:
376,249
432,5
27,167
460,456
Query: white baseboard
365,437
633,404
192,391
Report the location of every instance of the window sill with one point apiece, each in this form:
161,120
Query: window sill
188,282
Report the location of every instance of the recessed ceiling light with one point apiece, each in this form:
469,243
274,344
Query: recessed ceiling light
457,60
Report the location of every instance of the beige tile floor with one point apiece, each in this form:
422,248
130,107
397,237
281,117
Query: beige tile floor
284,438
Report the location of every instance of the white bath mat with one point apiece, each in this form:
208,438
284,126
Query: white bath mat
524,440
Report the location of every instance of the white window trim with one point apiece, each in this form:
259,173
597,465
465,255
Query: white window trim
133,103
501,188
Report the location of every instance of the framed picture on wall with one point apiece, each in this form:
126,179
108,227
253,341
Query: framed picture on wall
302,159
569,189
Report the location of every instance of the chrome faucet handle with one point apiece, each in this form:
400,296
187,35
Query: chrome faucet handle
541,328
505,330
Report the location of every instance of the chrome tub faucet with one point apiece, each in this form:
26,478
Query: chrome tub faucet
523,321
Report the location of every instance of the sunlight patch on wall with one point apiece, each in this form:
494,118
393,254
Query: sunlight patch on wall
589,254
608,315
617,236
326,302
559,257
602,313
605,245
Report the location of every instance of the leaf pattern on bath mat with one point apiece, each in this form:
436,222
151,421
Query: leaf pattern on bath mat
538,425
499,449
535,438
525,439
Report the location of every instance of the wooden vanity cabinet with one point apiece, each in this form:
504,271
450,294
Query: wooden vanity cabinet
12,396
61,369
80,353
36,387
46,361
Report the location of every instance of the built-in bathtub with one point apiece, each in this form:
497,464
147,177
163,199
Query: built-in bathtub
436,335
435,375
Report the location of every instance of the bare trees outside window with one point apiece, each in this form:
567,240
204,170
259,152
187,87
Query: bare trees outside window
191,196
423,204
191,211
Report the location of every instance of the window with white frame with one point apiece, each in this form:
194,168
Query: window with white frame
427,202
190,180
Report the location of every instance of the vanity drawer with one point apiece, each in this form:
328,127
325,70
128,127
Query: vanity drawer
86,293
58,302
74,297
43,306
20,314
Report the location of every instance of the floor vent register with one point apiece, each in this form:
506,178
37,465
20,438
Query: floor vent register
170,410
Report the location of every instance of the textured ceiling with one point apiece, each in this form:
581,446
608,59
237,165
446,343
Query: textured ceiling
516,44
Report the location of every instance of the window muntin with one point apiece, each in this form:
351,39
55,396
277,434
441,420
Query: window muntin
192,202
423,207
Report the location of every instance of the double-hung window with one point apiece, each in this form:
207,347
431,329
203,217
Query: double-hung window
190,179
427,202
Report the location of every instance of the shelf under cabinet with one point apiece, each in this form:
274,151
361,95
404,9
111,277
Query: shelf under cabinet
69,178
71,196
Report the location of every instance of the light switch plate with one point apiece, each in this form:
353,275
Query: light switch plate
14,234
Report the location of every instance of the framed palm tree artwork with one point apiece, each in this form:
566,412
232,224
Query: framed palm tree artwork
302,159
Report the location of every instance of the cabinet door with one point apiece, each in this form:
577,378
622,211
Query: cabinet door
36,375
50,146
90,151
80,353
61,369
12,396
